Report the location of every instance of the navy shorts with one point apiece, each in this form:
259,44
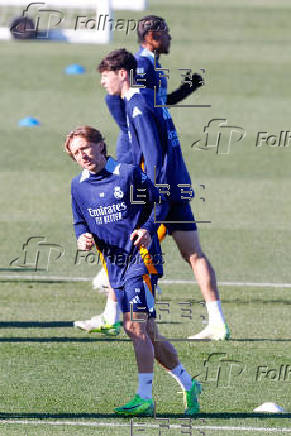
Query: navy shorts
137,294
181,213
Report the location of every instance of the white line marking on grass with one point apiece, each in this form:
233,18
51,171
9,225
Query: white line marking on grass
245,284
46,278
258,429
165,281
117,425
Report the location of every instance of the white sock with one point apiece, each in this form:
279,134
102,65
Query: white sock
181,375
111,312
215,314
145,385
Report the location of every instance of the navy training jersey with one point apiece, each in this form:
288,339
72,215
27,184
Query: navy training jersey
102,204
115,104
116,108
155,144
146,69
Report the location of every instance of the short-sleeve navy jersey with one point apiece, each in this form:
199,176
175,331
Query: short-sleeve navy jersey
104,204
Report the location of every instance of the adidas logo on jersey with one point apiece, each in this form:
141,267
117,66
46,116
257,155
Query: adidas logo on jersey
136,112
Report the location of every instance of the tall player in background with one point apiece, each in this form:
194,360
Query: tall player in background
154,36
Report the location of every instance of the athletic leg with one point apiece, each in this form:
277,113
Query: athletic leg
108,322
166,355
190,249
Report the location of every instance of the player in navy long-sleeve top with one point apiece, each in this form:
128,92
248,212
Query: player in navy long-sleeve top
154,36
156,148
106,213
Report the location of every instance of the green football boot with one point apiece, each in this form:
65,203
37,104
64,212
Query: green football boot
136,407
191,399
98,324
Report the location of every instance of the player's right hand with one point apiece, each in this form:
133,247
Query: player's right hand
141,238
197,81
85,242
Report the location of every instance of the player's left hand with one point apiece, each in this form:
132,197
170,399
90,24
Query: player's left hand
141,238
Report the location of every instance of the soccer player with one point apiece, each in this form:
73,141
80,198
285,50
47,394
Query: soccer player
153,37
105,214
155,146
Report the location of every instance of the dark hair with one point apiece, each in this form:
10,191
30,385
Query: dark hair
117,60
86,132
150,23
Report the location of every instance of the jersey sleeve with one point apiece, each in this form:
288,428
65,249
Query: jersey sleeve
156,202
116,108
185,89
123,148
146,128
146,74
79,222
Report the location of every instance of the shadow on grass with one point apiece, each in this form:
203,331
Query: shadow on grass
60,339
53,324
215,415
35,324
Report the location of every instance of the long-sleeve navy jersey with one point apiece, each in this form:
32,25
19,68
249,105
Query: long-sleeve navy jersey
153,140
155,144
115,104
110,205
116,108
146,69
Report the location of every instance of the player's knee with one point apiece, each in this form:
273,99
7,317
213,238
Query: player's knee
197,257
202,261
186,256
129,327
193,255
134,328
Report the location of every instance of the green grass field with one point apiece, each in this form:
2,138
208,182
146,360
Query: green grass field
53,374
